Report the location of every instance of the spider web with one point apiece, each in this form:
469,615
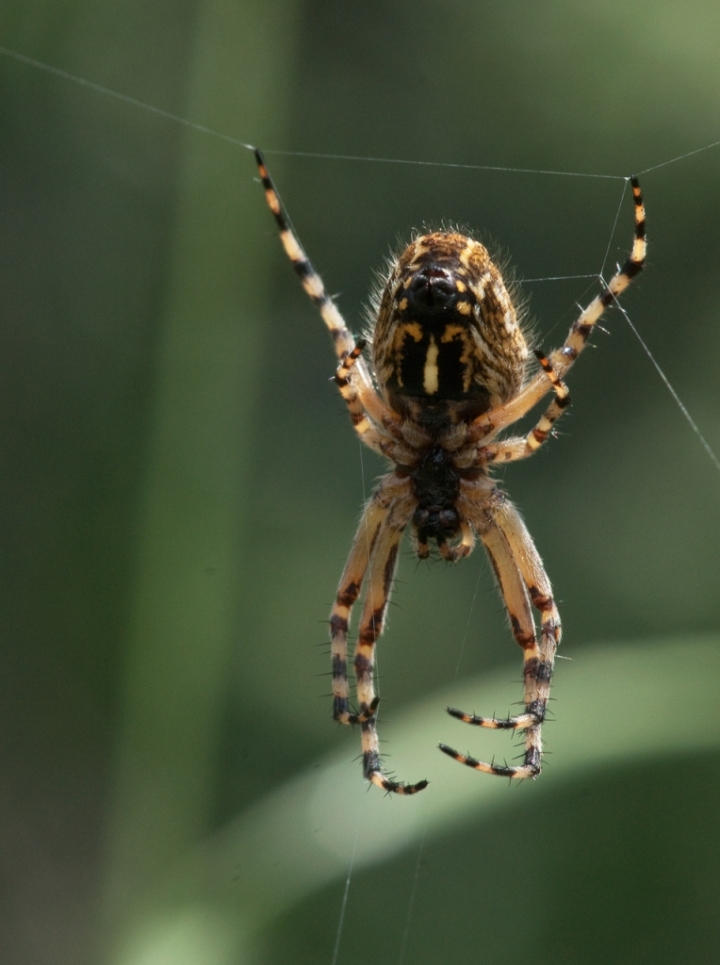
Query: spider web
203,129
416,882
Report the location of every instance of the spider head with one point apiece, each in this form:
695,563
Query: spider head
440,525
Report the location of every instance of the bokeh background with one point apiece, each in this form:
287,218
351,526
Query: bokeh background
180,485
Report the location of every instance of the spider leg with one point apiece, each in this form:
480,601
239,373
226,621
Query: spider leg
371,524
519,447
539,589
352,377
580,331
382,566
309,278
517,602
489,423
356,401
522,580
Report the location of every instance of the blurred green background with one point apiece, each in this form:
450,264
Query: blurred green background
180,487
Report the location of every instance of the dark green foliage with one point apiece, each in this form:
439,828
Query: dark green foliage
180,485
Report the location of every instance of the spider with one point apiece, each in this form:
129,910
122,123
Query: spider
449,361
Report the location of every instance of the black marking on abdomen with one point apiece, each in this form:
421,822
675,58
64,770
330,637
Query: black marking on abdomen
452,370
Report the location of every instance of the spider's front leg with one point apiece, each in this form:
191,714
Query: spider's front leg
371,524
374,552
523,581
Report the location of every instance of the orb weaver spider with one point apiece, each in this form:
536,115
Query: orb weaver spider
448,375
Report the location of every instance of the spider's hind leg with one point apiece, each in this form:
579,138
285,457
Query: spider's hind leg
520,447
352,376
309,278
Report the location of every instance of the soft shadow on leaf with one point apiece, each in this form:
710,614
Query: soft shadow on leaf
617,703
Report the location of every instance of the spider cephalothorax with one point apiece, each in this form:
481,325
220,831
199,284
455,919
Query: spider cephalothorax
450,361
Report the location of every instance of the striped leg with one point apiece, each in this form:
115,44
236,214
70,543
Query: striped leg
522,581
309,278
348,390
577,338
538,586
381,572
515,595
492,422
520,447
358,389
371,524
369,411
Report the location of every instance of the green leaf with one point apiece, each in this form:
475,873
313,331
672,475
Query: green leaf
616,704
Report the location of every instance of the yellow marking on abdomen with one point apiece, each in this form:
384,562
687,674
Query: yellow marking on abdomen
451,331
430,372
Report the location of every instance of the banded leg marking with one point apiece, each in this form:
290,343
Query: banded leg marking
541,596
348,390
517,601
382,570
309,278
490,423
351,581
352,376
519,447
577,338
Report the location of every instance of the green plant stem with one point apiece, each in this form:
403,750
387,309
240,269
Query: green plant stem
184,614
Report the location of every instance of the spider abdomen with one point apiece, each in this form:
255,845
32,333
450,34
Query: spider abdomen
446,329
